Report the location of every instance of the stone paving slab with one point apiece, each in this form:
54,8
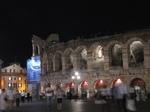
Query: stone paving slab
76,106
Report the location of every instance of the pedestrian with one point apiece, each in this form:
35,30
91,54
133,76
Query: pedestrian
2,101
59,96
11,97
131,92
112,92
49,96
137,95
143,94
17,98
75,94
23,96
122,93
70,95
28,96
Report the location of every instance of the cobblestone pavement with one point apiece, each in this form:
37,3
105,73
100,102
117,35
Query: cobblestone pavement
76,106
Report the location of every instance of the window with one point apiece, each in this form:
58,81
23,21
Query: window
15,85
9,78
14,78
9,84
20,85
20,78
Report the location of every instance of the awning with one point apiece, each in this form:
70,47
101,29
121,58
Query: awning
84,85
99,83
138,82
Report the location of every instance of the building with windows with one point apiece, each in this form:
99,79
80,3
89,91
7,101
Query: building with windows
14,76
99,61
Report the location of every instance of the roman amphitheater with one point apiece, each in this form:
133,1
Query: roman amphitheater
104,60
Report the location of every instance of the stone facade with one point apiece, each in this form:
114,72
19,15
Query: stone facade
106,58
14,76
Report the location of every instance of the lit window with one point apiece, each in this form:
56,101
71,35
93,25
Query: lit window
20,78
9,78
20,84
9,84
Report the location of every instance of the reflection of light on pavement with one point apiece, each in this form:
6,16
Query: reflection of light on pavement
78,106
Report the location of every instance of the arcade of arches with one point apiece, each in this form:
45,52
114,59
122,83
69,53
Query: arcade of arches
99,61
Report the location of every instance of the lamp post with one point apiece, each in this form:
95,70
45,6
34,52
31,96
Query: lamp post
76,77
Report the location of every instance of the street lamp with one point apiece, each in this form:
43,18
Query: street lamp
76,77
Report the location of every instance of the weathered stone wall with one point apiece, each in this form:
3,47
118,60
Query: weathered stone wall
110,73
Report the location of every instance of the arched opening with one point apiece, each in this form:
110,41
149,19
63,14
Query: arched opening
138,83
58,61
83,59
116,55
116,82
68,58
84,90
98,58
136,54
99,84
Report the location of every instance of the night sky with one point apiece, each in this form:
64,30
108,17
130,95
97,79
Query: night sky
19,20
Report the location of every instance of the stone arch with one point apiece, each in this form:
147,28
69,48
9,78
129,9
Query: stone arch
68,58
135,51
116,82
114,53
93,46
131,40
137,82
79,48
57,60
97,56
99,84
81,55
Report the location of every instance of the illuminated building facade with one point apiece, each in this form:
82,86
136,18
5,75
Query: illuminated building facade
101,60
14,76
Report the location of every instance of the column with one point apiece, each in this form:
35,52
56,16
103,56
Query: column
147,59
76,61
106,59
125,59
90,61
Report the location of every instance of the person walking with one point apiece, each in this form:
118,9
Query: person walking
75,95
143,97
137,95
2,101
122,93
11,97
59,96
49,96
28,96
23,96
17,97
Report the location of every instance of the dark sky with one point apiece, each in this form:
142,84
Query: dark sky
20,20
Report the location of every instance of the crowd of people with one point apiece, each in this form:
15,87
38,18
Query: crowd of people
121,94
115,95
10,97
